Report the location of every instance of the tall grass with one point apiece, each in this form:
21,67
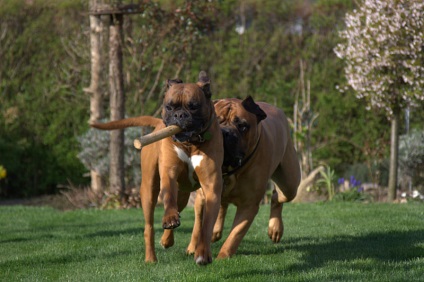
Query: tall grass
322,242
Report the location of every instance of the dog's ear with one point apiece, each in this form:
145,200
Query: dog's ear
205,84
253,108
171,82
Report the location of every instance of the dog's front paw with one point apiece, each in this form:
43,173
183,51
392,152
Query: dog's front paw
203,257
275,229
151,258
190,249
171,220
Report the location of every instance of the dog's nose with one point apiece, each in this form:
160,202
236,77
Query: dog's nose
225,132
229,135
180,115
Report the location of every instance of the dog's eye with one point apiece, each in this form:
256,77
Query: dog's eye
243,127
169,108
193,106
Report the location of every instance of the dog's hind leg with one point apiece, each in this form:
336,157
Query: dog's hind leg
286,178
275,225
287,175
219,224
242,221
149,192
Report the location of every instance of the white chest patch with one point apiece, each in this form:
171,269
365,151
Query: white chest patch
192,162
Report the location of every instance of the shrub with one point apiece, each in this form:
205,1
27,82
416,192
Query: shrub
327,181
411,156
94,154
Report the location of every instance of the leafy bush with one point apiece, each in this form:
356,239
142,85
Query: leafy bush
94,154
42,106
411,156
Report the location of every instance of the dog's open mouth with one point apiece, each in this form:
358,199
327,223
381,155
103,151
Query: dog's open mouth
189,132
183,136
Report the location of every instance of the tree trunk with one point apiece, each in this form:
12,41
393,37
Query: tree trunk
96,98
394,148
117,104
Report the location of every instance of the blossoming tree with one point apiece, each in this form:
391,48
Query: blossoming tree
383,49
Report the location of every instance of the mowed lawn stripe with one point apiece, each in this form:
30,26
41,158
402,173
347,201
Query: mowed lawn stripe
322,242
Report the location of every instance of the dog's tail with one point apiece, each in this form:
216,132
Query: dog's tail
128,122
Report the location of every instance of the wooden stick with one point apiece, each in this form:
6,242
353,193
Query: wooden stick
156,136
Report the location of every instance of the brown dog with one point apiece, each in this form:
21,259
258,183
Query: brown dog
178,165
258,147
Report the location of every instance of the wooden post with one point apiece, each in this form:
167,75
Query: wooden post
117,104
394,152
116,11
96,97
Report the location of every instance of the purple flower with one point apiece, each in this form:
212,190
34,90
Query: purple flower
341,180
354,182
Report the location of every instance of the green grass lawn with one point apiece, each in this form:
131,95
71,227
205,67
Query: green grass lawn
322,242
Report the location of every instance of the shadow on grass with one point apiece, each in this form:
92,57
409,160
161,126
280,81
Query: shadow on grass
54,259
393,246
134,231
48,232
383,248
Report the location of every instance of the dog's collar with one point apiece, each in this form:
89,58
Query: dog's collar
234,170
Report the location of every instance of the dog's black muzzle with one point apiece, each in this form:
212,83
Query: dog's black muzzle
189,125
233,154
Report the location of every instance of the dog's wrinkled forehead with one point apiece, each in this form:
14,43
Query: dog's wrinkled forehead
182,94
231,110
225,112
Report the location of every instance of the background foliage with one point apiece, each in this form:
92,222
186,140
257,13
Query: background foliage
249,47
94,154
